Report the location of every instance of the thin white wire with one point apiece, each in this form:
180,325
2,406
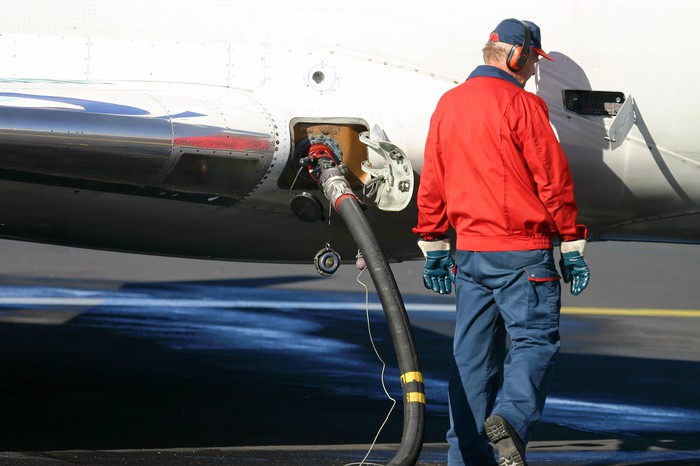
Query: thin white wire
291,188
386,392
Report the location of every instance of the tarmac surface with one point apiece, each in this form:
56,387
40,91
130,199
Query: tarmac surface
120,359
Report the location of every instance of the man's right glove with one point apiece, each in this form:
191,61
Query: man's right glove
438,274
573,268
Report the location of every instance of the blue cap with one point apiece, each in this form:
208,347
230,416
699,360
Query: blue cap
511,31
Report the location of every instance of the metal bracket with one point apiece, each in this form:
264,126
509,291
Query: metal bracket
392,183
622,124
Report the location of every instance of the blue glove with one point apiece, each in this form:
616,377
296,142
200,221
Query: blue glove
438,274
573,267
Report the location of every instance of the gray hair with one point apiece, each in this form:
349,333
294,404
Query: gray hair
495,52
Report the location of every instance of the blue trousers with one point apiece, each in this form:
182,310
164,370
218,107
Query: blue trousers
514,293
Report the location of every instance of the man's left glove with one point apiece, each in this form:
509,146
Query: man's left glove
573,268
438,274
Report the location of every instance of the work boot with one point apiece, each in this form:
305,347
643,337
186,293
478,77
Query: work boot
511,451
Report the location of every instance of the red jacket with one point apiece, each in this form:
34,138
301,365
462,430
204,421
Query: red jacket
494,170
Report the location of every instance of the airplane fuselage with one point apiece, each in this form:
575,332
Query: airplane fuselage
178,131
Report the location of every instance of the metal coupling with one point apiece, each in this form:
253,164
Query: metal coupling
334,185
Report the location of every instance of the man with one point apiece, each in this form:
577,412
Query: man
495,172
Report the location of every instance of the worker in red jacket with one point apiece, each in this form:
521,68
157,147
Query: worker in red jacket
495,172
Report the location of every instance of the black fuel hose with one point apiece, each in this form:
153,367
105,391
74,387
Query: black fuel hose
399,326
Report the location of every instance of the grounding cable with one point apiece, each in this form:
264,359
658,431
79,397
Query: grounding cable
386,392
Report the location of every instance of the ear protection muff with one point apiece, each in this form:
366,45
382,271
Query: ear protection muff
519,53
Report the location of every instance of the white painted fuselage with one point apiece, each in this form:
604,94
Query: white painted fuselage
172,128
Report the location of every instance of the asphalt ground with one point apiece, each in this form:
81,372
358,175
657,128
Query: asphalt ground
114,358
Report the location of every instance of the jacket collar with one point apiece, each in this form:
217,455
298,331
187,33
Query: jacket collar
487,71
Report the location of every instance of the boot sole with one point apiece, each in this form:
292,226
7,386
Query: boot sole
508,454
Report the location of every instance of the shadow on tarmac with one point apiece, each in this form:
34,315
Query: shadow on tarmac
181,369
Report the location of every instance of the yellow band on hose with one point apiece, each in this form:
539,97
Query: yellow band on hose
411,377
415,397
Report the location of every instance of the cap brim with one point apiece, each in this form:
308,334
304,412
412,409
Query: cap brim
541,53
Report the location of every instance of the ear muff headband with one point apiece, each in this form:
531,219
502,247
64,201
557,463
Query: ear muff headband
519,53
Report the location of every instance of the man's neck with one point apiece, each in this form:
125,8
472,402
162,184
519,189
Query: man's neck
502,66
